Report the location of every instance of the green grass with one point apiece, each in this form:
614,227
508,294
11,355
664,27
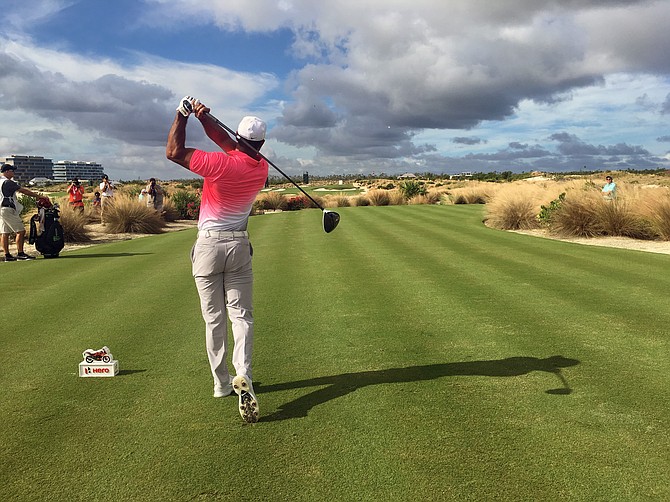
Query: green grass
412,354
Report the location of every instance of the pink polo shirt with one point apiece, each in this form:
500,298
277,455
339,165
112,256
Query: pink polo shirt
232,182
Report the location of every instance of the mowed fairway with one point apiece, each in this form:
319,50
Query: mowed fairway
412,354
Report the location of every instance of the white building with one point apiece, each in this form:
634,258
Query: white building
28,167
66,170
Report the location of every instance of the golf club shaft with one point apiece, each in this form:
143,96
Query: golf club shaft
229,130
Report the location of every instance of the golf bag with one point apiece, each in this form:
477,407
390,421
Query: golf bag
46,232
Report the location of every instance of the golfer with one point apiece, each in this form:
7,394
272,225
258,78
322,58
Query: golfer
221,255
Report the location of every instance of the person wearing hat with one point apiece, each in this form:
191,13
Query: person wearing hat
221,255
10,213
107,194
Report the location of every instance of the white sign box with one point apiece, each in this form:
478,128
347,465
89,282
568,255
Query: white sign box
96,370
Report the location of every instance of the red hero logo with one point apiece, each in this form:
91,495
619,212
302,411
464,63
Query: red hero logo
100,370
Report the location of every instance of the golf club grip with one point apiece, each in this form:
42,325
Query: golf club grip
230,131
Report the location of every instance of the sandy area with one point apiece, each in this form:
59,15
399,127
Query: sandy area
100,236
613,242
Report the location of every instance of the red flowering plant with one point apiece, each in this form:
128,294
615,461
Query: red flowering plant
297,203
192,210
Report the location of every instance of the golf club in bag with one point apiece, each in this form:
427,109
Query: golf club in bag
330,219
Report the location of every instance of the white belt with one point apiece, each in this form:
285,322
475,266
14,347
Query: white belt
223,235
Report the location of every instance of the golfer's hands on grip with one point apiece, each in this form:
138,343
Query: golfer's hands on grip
189,104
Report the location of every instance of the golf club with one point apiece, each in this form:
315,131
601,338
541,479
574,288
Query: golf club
329,220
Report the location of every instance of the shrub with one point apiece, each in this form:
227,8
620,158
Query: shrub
316,198
412,188
396,198
29,204
511,213
434,196
546,212
577,216
471,195
617,219
74,223
271,201
341,201
515,207
186,204
360,200
170,212
296,203
128,215
378,197
660,217
418,200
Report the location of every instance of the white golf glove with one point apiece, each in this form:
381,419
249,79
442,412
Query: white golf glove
186,105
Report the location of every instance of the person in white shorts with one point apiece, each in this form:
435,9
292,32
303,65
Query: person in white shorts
10,213
221,255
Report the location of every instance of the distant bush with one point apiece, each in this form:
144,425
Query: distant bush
396,198
360,200
271,201
297,202
412,188
342,201
129,215
378,197
29,204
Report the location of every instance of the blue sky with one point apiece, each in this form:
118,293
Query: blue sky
346,87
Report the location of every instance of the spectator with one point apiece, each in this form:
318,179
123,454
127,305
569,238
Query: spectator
155,192
107,192
76,194
96,200
10,213
609,190
143,196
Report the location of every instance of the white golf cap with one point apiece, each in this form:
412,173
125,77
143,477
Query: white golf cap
252,128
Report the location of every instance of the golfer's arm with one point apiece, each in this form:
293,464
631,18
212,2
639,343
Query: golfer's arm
175,149
216,134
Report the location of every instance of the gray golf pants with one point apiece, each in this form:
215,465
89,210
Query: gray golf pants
223,276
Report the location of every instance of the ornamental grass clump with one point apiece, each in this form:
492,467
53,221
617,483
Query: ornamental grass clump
271,201
515,208
170,212
341,201
396,198
655,205
578,216
618,217
476,194
360,200
378,197
74,223
128,215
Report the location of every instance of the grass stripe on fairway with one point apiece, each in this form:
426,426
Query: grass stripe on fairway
411,354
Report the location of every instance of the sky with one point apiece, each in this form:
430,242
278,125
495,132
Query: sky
346,87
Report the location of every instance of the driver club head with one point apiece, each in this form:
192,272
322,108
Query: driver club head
330,220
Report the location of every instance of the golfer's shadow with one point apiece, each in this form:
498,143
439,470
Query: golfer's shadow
332,387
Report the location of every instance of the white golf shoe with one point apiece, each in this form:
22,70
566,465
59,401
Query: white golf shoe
224,390
247,399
